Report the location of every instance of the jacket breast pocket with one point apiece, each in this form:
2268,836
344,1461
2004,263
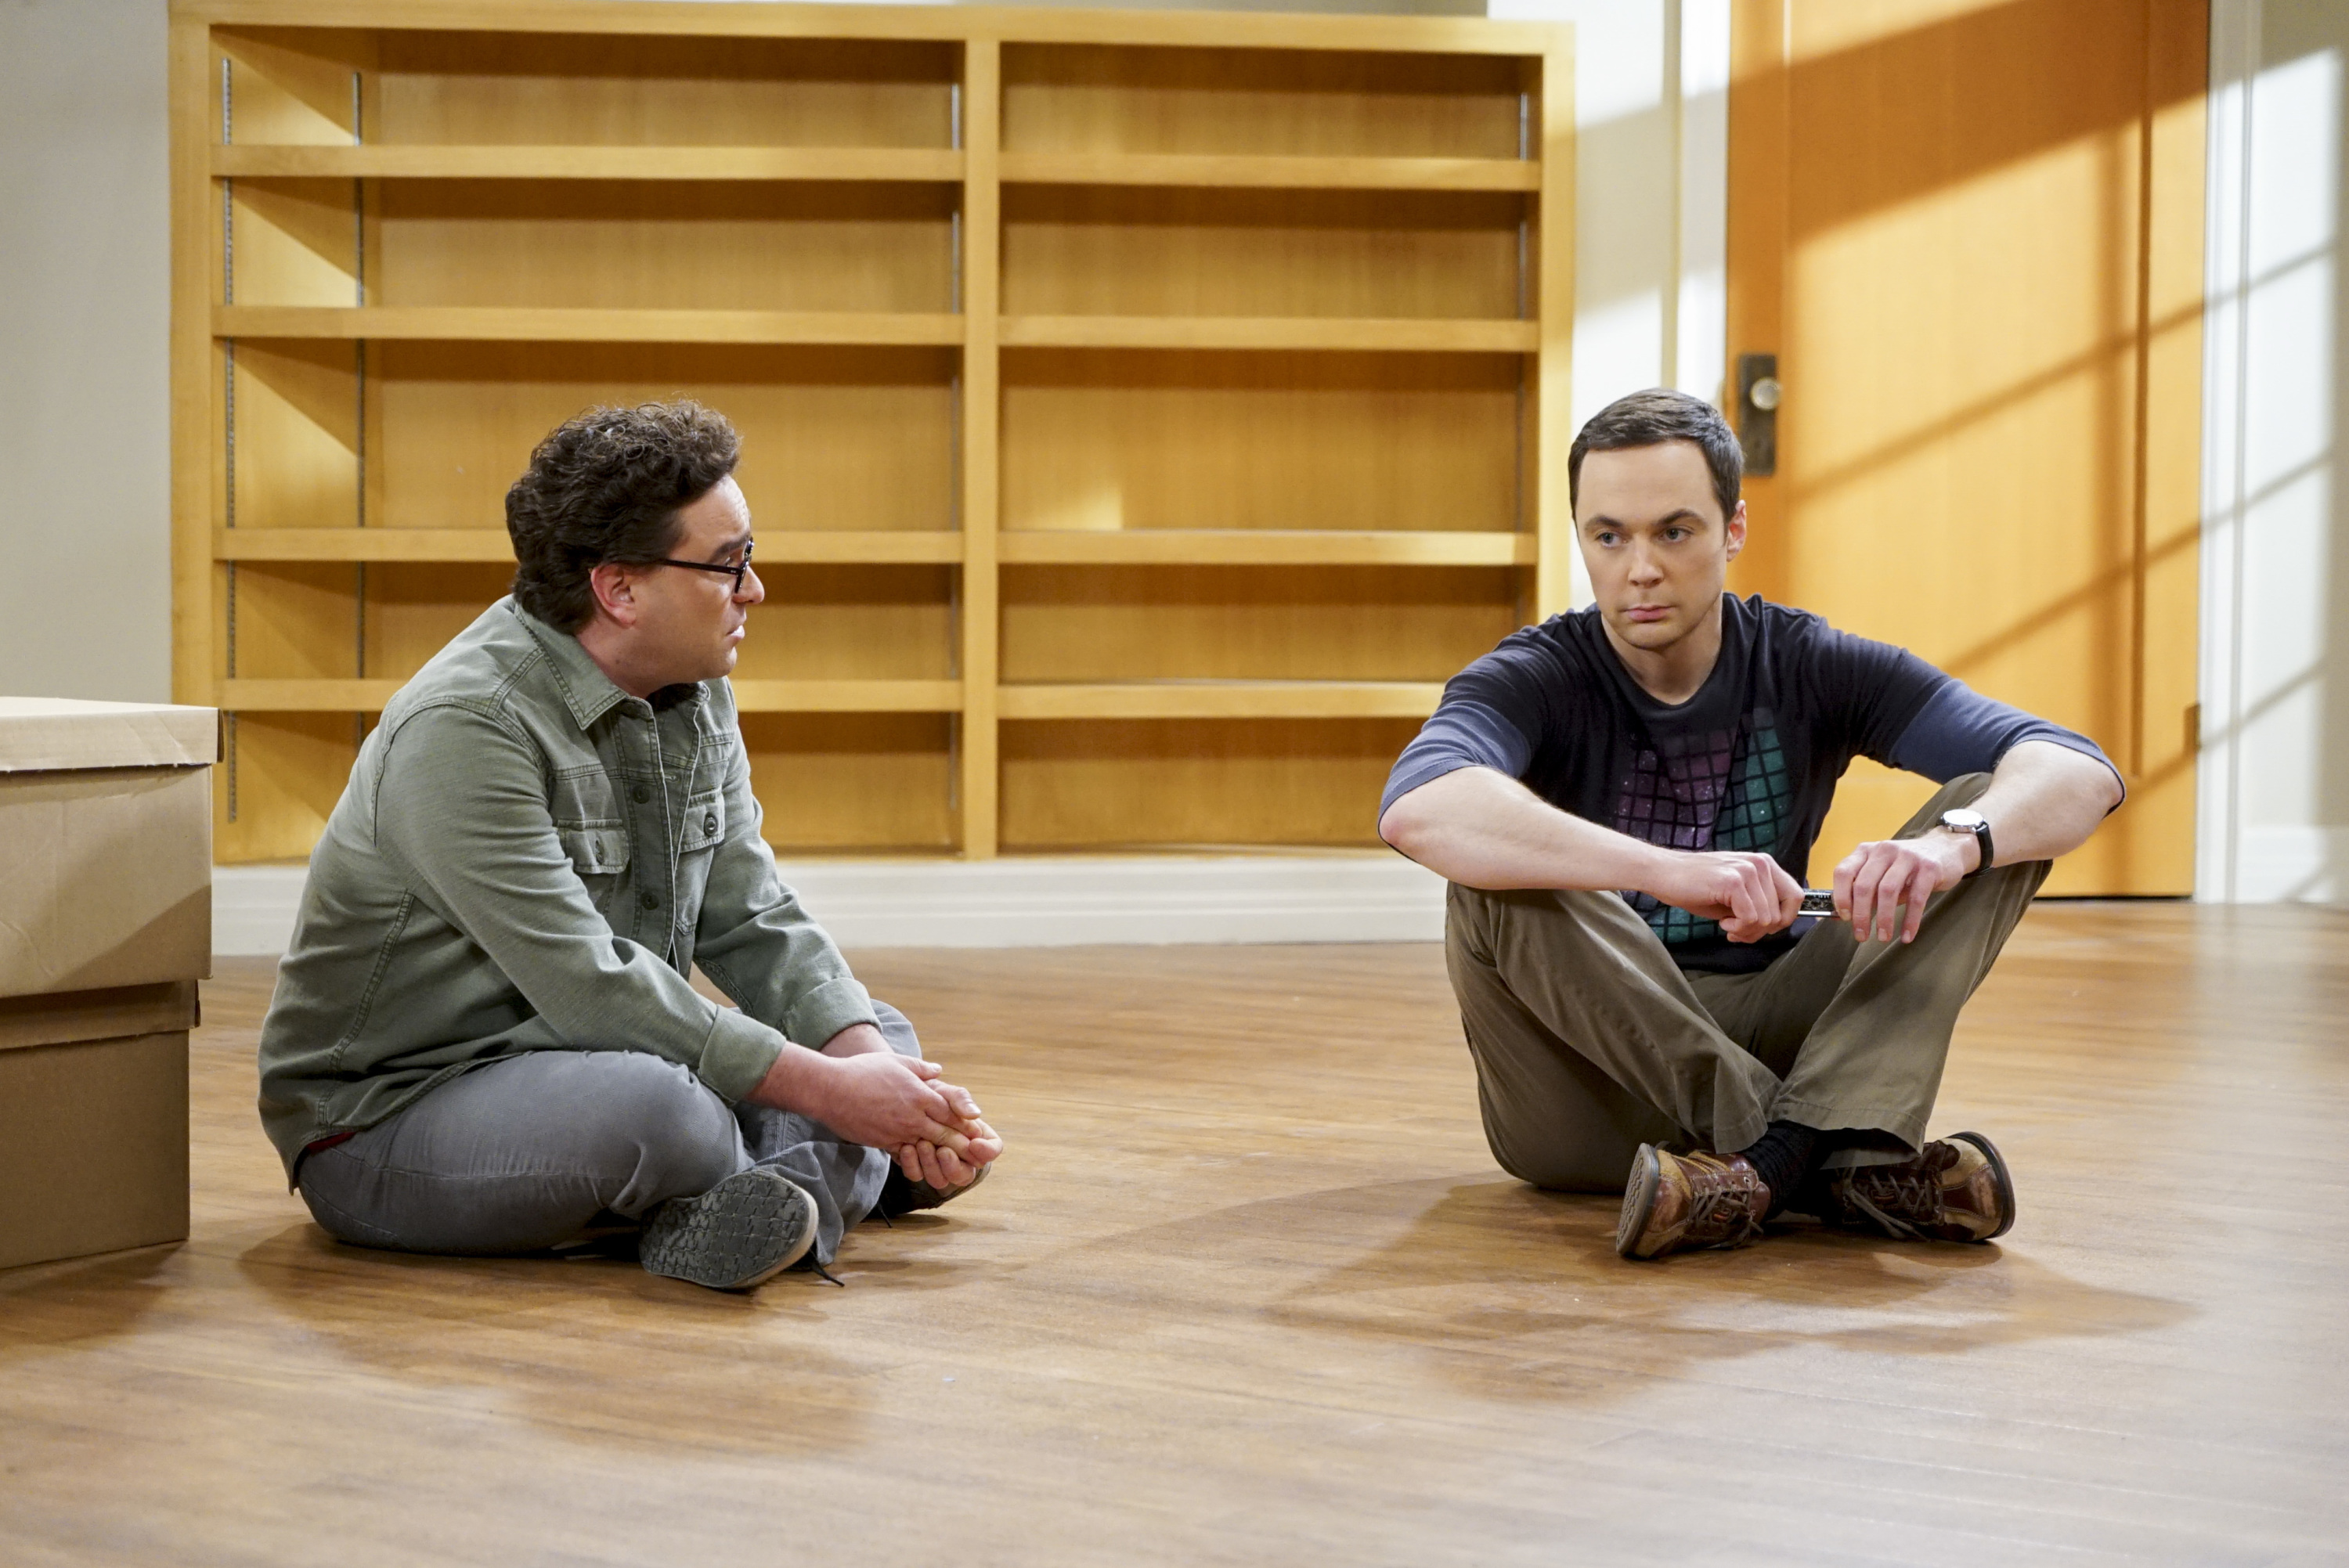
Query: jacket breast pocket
701,831
705,823
599,854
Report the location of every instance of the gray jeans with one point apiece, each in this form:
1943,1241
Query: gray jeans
553,1147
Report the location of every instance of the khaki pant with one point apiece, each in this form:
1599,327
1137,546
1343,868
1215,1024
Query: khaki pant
1589,1041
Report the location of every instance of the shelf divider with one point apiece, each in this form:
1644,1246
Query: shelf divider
978,447
1220,699
857,546
525,324
1267,547
848,697
749,695
1411,334
1221,170
837,165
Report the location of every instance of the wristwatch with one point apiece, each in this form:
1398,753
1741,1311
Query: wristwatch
1964,822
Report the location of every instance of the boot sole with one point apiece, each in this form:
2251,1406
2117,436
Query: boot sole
1999,1175
742,1233
1639,1199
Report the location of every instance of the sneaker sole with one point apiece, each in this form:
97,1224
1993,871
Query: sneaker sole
1639,1199
1998,1174
742,1233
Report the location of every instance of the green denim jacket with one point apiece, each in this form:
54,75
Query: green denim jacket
529,858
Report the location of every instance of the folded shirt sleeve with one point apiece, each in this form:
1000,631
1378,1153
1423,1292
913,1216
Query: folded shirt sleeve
1461,733
1959,730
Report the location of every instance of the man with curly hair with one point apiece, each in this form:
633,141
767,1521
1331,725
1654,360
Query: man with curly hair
483,1038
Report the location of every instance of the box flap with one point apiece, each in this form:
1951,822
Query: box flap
106,878
48,732
111,1015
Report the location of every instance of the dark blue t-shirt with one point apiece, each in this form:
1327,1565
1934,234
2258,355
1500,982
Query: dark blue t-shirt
1750,762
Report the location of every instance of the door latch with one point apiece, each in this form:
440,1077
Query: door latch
1758,394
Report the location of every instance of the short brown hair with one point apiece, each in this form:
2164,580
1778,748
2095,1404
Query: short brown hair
1650,418
607,485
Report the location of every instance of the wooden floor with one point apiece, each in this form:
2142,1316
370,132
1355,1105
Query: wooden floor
1248,1289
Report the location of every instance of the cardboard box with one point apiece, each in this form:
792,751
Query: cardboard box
104,928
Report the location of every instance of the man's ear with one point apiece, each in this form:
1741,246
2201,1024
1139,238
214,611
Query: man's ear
615,587
1733,532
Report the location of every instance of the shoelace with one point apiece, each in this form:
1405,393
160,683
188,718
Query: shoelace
1716,1195
1898,1229
1917,1193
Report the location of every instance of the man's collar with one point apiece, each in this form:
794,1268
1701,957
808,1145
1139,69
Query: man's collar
587,691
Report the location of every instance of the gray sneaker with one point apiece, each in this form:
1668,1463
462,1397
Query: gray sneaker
747,1229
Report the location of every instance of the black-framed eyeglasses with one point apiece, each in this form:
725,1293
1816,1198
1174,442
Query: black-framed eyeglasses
739,571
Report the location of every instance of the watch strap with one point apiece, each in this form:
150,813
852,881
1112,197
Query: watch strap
1981,830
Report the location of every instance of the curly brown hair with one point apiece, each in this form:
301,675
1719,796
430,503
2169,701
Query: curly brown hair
607,485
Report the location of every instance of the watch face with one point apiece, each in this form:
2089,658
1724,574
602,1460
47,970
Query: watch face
1964,819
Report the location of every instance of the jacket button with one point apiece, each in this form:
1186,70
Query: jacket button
710,823
641,794
650,901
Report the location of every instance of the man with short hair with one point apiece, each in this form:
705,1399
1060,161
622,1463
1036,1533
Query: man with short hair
1624,798
483,1038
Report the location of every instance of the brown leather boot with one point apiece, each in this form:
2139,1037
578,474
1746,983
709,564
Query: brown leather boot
1955,1189
1676,1202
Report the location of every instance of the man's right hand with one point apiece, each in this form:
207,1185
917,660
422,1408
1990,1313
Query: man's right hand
882,1099
1750,894
944,1168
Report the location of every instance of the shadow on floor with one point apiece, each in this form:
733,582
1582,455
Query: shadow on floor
83,1299
592,1349
1516,1294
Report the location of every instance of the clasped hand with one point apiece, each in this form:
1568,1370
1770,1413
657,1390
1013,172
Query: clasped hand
931,1127
1880,888
868,1094
1876,881
1750,894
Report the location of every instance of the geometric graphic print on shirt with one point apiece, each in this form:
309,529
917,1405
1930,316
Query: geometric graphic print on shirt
1724,790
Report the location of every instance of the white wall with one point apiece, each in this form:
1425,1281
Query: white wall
2275,778
85,399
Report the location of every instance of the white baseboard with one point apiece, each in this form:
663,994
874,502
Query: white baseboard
252,909
1053,902
2293,866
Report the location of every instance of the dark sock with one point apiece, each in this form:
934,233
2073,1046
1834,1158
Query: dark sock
1782,1157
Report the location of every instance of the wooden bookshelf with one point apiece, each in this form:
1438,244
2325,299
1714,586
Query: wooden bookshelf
1144,413
1241,170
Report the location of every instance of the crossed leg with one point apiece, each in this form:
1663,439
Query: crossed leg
1588,1040
544,1150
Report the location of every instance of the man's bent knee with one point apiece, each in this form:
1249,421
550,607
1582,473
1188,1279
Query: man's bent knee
1567,1170
653,1113
896,1030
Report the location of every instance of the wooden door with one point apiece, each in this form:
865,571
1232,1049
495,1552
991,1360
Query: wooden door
1970,231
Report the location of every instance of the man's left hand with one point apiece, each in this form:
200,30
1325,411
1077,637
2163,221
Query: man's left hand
1874,881
943,1168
